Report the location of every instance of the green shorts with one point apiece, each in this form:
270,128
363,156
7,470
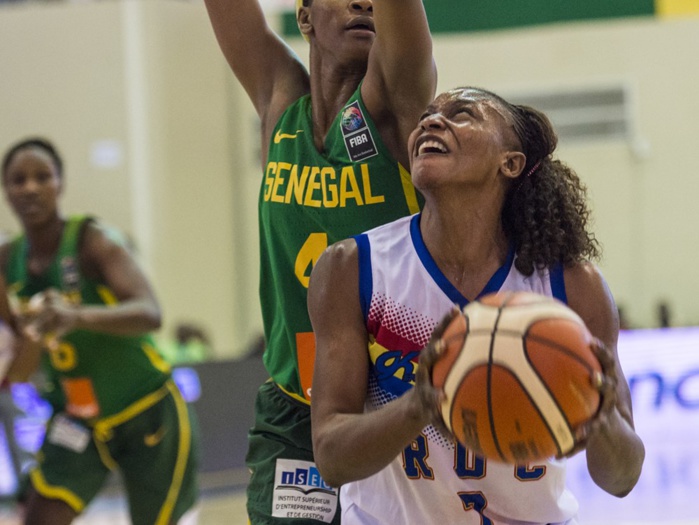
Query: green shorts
285,486
154,444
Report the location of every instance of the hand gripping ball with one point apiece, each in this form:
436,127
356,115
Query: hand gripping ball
520,377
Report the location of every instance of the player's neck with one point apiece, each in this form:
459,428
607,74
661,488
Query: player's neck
332,85
467,247
44,238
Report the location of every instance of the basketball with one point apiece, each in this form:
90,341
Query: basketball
519,376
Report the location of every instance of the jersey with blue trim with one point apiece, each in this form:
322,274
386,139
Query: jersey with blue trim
404,295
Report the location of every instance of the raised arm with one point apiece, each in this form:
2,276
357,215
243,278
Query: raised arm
614,451
269,71
401,77
348,443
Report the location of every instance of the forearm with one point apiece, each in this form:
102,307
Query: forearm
615,456
404,40
349,447
129,318
27,358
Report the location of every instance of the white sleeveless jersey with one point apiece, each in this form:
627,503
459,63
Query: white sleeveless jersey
434,481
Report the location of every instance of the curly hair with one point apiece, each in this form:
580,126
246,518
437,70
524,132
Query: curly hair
545,213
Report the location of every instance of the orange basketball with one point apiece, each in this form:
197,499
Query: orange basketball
519,376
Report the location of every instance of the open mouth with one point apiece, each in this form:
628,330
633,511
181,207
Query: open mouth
431,146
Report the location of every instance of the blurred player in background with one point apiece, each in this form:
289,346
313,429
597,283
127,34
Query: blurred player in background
7,339
500,214
79,292
334,158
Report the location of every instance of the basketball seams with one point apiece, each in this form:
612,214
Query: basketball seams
563,349
502,330
514,320
470,355
534,405
519,364
489,380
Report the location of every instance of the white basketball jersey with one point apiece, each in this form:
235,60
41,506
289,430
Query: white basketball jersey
434,481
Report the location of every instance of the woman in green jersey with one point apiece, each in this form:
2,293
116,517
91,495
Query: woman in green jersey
334,161
76,290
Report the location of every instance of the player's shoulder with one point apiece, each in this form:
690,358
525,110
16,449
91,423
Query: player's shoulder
337,260
583,276
340,253
101,242
97,230
589,295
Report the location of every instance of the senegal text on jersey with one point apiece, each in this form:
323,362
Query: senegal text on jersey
318,187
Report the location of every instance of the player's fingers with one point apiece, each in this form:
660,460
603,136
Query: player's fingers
430,355
604,355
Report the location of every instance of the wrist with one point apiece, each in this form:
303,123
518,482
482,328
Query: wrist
416,410
80,318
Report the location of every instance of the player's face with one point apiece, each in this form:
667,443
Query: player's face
343,26
32,185
462,136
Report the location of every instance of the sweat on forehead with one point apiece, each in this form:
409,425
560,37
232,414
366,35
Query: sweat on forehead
481,95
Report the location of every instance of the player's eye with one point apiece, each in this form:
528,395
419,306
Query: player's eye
424,116
16,179
463,113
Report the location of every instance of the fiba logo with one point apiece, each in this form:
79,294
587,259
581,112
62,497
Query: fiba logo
356,134
352,119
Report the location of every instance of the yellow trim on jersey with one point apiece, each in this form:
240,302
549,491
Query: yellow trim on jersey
106,295
183,451
408,190
676,7
105,456
156,359
103,427
52,492
294,396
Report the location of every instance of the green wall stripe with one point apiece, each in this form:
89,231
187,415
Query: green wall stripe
461,16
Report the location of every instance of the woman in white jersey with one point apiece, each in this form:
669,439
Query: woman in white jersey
500,214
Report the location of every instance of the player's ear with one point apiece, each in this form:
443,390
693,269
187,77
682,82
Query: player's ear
513,163
303,20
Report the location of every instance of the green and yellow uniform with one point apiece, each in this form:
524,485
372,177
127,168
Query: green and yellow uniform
115,403
309,200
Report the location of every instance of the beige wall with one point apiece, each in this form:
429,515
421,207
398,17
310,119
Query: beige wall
149,78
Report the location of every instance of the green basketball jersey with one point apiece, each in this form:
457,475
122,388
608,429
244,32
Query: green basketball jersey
91,375
309,200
